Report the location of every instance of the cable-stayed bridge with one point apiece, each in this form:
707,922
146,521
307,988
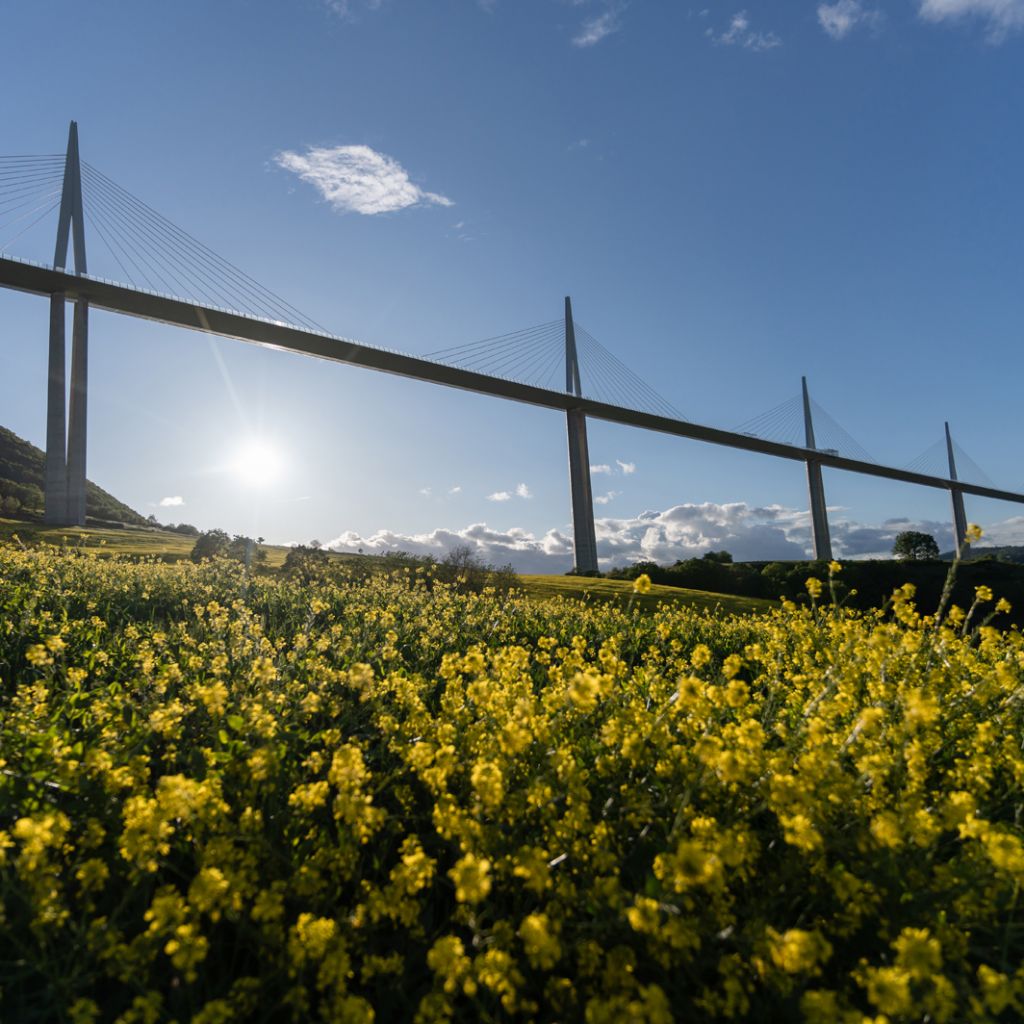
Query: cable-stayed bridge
169,276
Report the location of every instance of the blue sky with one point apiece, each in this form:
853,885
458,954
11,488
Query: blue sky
733,194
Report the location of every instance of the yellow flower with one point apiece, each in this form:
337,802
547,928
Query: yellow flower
187,948
488,783
541,945
834,567
797,951
471,876
982,594
310,938
918,952
973,533
814,586
642,584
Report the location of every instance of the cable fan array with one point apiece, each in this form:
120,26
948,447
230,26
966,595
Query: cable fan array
154,253
30,190
536,356
784,423
934,461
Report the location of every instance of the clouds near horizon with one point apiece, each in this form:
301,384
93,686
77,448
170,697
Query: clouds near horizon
748,532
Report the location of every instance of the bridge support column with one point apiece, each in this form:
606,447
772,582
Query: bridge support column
55,478
584,536
65,455
816,488
957,497
77,416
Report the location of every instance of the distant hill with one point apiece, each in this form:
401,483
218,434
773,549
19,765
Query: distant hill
1006,553
21,486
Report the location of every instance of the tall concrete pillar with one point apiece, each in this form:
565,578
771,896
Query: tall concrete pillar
957,496
55,476
816,487
584,536
77,414
65,455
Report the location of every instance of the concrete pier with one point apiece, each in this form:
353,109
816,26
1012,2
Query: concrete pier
816,488
65,503
584,537
55,476
957,497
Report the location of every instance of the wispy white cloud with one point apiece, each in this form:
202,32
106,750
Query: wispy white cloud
347,8
520,491
606,498
601,468
739,33
839,19
629,468
175,501
999,16
358,179
457,489
425,491
593,30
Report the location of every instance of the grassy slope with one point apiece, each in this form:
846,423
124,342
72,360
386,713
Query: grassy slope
173,546
621,591
136,542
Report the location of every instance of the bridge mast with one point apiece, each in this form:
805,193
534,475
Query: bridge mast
819,513
584,537
65,453
959,514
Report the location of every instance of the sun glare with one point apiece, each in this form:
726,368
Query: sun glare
257,463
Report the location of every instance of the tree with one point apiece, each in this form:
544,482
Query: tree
306,561
914,546
209,545
246,550
722,557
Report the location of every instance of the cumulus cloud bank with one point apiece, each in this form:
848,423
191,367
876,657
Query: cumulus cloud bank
358,179
750,533
173,502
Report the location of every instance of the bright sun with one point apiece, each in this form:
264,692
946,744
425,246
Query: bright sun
257,463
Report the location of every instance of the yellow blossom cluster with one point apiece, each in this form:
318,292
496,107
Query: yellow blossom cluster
230,798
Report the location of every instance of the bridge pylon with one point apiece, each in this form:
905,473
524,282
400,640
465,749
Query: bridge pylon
66,448
816,487
584,537
957,496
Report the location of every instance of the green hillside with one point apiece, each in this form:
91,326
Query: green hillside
21,486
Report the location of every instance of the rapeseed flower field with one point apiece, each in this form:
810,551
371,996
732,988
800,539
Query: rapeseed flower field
236,798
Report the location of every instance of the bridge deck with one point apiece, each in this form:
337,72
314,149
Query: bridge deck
36,279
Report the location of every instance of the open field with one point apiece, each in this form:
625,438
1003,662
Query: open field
171,547
621,592
137,542
232,797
